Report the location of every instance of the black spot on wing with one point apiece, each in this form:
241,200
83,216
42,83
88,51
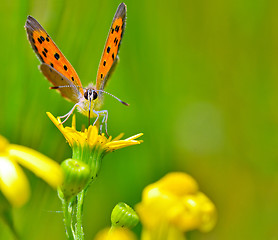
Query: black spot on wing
116,41
41,58
65,67
42,38
40,41
44,54
108,49
57,56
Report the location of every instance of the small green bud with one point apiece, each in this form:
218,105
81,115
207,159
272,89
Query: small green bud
76,176
124,216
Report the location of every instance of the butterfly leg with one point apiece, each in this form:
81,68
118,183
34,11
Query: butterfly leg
104,114
104,121
66,116
97,113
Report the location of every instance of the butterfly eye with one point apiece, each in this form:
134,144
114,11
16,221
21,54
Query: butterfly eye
89,93
86,95
94,95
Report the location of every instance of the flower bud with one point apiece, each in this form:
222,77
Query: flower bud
115,234
124,216
76,176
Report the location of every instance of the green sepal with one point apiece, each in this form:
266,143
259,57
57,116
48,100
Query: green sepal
91,156
124,216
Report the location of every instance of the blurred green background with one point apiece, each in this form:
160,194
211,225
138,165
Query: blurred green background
201,81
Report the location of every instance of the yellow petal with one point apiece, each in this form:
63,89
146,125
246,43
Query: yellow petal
150,192
175,184
208,212
117,138
13,182
178,183
92,137
3,144
134,137
120,144
39,164
73,123
197,212
59,126
162,231
175,200
55,121
115,234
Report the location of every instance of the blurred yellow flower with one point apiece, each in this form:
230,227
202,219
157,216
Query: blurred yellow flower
115,234
91,138
172,205
13,182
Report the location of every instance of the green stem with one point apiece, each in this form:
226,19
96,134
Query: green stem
67,219
7,218
92,157
79,234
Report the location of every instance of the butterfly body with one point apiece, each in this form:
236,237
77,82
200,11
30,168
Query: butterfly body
58,70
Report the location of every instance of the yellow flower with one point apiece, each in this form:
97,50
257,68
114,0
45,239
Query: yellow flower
174,204
13,182
115,234
91,137
90,147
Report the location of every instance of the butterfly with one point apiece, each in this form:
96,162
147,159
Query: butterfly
57,69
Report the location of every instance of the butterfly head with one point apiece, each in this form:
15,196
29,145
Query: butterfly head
90,94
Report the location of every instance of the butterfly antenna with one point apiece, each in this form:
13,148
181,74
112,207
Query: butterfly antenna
73,86
113,97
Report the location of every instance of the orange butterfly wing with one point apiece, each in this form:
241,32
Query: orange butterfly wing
69,90
109,57
49,53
